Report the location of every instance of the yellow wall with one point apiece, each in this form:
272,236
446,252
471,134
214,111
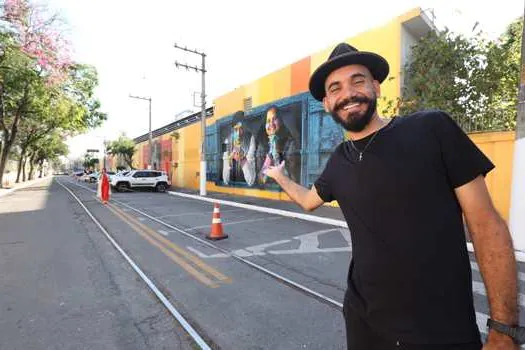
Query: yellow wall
189,156
230,103
499,147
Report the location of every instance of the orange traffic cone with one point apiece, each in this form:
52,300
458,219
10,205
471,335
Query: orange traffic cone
216,225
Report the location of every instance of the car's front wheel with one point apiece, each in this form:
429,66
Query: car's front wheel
161,187
122,186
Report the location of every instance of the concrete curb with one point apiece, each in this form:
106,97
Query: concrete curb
286,213
520,256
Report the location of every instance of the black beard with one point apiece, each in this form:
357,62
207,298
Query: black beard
356,123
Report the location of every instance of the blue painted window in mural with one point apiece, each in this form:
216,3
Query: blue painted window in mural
323,136
212,153
251,143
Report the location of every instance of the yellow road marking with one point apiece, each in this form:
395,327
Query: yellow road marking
194,259
178,260
181,251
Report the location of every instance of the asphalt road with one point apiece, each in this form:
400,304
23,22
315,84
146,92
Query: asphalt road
63,286
230,303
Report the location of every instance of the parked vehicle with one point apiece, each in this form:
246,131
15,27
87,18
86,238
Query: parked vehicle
77,175
155,179
110,175
92,178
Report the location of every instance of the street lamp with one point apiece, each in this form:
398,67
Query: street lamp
105,144
150,136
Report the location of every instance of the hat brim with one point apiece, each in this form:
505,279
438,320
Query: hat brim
376,64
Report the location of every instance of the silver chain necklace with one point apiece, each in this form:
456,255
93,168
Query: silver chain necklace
366,146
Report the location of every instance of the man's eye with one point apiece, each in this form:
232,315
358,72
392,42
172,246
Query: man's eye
334,89
357,82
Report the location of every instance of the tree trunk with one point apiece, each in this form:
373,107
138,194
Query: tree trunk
129,161
31,168
20,164
9,135
24,169
3,157
40,168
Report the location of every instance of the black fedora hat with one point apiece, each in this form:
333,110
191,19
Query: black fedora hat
344,55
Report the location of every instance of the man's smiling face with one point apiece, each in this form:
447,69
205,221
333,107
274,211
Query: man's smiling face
351,96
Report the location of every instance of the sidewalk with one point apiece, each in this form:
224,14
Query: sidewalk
16,186
324,211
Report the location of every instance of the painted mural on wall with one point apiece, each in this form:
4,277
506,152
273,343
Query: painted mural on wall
161,158
252,143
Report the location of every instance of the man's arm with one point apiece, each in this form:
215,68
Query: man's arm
308,199
494,253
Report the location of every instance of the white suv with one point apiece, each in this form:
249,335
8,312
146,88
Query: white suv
141,179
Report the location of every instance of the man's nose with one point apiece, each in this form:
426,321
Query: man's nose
349,91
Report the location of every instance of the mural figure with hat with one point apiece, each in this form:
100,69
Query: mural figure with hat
242,154
404,186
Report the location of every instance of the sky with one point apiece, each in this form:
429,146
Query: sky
131,44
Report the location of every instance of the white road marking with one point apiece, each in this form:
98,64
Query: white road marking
309,243
236,222
297,251
204,256
259,249
162,232
196,213
141,218
481,320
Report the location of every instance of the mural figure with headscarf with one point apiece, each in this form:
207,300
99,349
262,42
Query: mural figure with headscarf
273,156
284,137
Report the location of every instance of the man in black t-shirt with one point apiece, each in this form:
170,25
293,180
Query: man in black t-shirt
404,186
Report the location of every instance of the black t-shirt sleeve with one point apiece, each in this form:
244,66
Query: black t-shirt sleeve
462,159
324,183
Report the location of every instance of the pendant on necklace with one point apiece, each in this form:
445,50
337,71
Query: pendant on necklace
360,156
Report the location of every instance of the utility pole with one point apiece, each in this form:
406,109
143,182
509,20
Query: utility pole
202,69
517,207
150,136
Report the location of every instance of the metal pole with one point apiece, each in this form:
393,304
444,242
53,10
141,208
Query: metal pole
202,173
203,129
150,137
517,207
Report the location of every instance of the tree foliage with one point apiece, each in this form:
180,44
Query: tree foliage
123,146
472,78
41,89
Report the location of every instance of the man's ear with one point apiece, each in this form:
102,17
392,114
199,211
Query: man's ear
377,88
